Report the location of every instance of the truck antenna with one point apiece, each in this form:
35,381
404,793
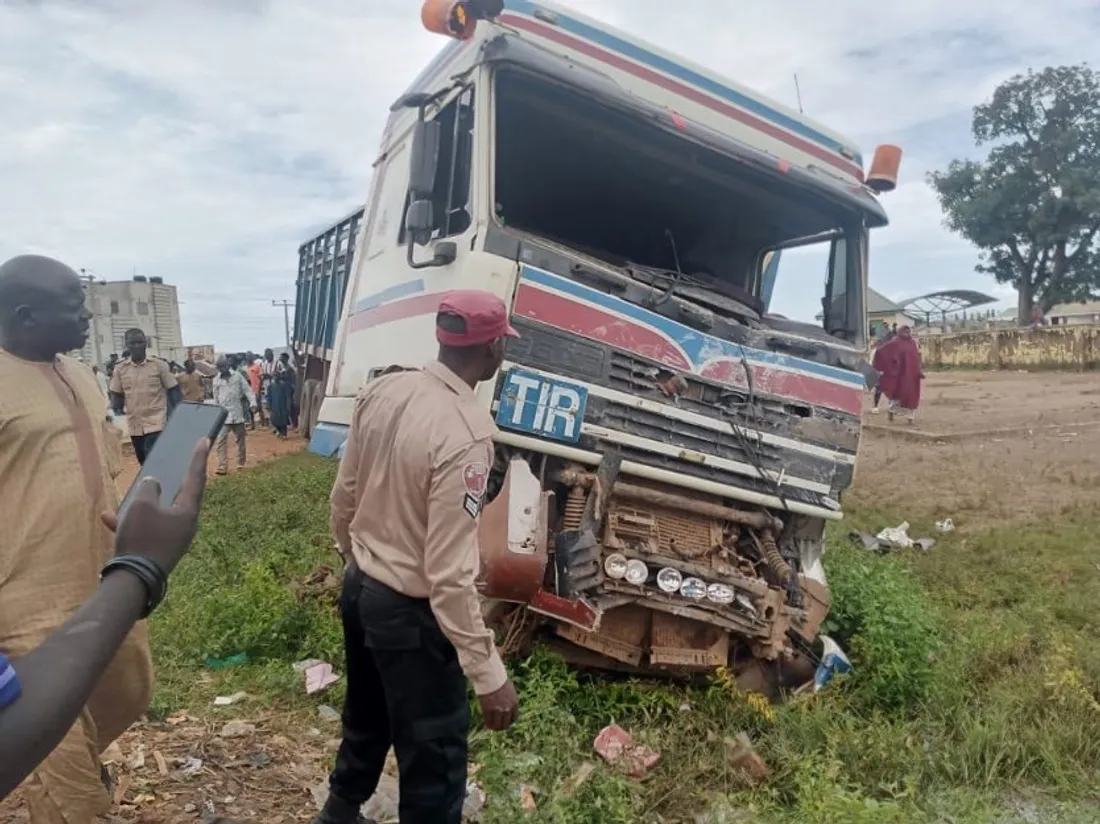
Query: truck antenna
798,94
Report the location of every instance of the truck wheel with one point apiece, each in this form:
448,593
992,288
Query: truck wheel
316,396
309,390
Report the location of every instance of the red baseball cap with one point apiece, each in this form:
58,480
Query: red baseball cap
483,313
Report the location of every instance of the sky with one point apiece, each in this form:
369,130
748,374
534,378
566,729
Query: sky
204,141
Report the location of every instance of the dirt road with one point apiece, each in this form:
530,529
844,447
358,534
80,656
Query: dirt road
987,448
262,446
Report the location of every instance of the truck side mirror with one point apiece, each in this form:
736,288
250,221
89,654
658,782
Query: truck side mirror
425,158
420,222
419,225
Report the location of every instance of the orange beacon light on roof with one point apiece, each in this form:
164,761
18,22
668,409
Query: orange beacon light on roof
457,18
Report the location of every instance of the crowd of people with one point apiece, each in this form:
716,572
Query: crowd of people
76,584
253,390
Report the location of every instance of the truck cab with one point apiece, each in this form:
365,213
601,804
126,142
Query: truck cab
668,451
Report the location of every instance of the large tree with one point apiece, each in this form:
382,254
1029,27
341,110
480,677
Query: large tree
1033,205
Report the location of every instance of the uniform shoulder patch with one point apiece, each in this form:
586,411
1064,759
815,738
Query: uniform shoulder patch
475,480
475,477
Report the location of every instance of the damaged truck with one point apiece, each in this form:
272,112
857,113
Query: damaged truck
669,451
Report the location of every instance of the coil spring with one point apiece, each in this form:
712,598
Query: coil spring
574,508
776,561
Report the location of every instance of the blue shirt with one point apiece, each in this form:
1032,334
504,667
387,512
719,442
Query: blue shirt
9,683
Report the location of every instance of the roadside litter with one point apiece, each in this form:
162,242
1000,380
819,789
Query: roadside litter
616,746
318,674
230,700
946,525
892,537
833,662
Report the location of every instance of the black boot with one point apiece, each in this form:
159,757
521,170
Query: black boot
339,811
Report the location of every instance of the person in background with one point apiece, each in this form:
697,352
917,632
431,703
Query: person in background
268,367
255,382
145,390
191,383
405,510
232,392
59,460
102,381
290,375
109,367
37,707
280,398
899,361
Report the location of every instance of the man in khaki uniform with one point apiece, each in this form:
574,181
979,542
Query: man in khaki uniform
146,390
191,383
405,510
59,459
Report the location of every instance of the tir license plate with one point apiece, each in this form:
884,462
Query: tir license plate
544,407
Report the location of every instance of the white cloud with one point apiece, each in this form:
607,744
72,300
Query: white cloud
202,141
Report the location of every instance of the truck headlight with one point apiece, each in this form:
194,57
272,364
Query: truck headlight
615,566
669,580
720,594
694,588
636,572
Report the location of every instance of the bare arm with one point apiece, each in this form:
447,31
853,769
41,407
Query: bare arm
82,648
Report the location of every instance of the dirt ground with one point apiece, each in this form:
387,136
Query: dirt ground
987,448
262,446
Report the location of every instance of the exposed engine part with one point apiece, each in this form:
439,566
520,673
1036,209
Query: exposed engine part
578,562
576,550
574,508
607,476
656,497
765,542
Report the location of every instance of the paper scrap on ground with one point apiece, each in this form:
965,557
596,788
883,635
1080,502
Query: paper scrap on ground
319,676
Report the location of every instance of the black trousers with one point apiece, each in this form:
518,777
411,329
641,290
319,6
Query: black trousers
143,445
405,688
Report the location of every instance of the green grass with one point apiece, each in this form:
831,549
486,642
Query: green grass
974,695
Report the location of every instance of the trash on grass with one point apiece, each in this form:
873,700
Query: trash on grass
137,757
319,676
230,700
893,537
833,662
228,661
946,525
616,746
191,766
896,536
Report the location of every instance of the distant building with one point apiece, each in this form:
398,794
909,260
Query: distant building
1075,314
883,313
143,303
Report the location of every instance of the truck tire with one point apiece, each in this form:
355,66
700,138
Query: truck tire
316,398
305,425
311,389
